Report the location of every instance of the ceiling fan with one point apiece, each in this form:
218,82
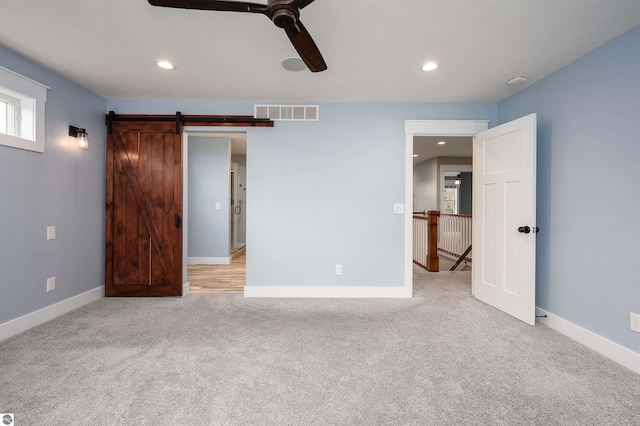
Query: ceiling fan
284,13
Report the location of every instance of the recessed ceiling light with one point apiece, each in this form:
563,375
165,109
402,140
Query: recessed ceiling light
415,155
165,65
294,64
441,143
429,66
517,80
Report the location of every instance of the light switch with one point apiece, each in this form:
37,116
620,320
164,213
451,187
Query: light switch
51,233
217,206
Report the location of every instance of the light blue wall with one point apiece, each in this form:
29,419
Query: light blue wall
588,269
209,171
64,187
322,192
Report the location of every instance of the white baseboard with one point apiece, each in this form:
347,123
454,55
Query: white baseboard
623,356
328,292
185,289
24,323
209,260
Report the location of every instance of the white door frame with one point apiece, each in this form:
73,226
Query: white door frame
426,128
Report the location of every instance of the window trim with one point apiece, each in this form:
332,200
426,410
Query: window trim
19,84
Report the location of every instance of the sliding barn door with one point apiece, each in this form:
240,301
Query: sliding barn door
143,230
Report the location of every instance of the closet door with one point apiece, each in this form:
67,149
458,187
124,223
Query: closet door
143,230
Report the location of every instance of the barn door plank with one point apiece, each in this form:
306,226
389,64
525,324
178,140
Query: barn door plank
144,238
131,271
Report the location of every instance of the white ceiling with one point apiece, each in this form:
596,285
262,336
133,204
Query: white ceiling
427,147
373,48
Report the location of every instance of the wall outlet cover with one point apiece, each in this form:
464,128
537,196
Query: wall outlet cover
51,284
338,269
398,208
634,320
51,233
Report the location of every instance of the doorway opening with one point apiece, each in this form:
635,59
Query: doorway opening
442,181
437,129
216,209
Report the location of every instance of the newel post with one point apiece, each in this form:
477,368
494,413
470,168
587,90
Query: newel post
433,263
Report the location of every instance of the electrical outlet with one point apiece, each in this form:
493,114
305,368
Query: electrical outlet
398,208
338,269
634,322
51,284
51,233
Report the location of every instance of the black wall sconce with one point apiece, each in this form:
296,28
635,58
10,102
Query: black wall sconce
81,134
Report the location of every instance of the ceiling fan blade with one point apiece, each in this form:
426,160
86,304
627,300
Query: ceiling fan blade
306,47
225,6
301,3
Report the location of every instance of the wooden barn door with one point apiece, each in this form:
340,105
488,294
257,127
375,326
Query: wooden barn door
143,231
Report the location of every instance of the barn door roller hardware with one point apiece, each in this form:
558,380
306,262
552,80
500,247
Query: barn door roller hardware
192,120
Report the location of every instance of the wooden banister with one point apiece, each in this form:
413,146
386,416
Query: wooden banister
433,263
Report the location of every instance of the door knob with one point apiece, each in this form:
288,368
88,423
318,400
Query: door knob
524,229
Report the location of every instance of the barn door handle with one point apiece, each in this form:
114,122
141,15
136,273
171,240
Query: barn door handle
178,221
524,229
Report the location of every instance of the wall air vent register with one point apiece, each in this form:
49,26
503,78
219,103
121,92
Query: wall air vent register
287,112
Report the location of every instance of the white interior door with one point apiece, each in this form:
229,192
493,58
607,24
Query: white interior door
504,217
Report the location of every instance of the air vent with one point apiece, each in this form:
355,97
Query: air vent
287,112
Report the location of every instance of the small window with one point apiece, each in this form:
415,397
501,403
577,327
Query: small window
21,111
450,201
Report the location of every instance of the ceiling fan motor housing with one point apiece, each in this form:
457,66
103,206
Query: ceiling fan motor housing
284,17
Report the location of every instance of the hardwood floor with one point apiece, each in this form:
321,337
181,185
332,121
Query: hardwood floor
219,279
